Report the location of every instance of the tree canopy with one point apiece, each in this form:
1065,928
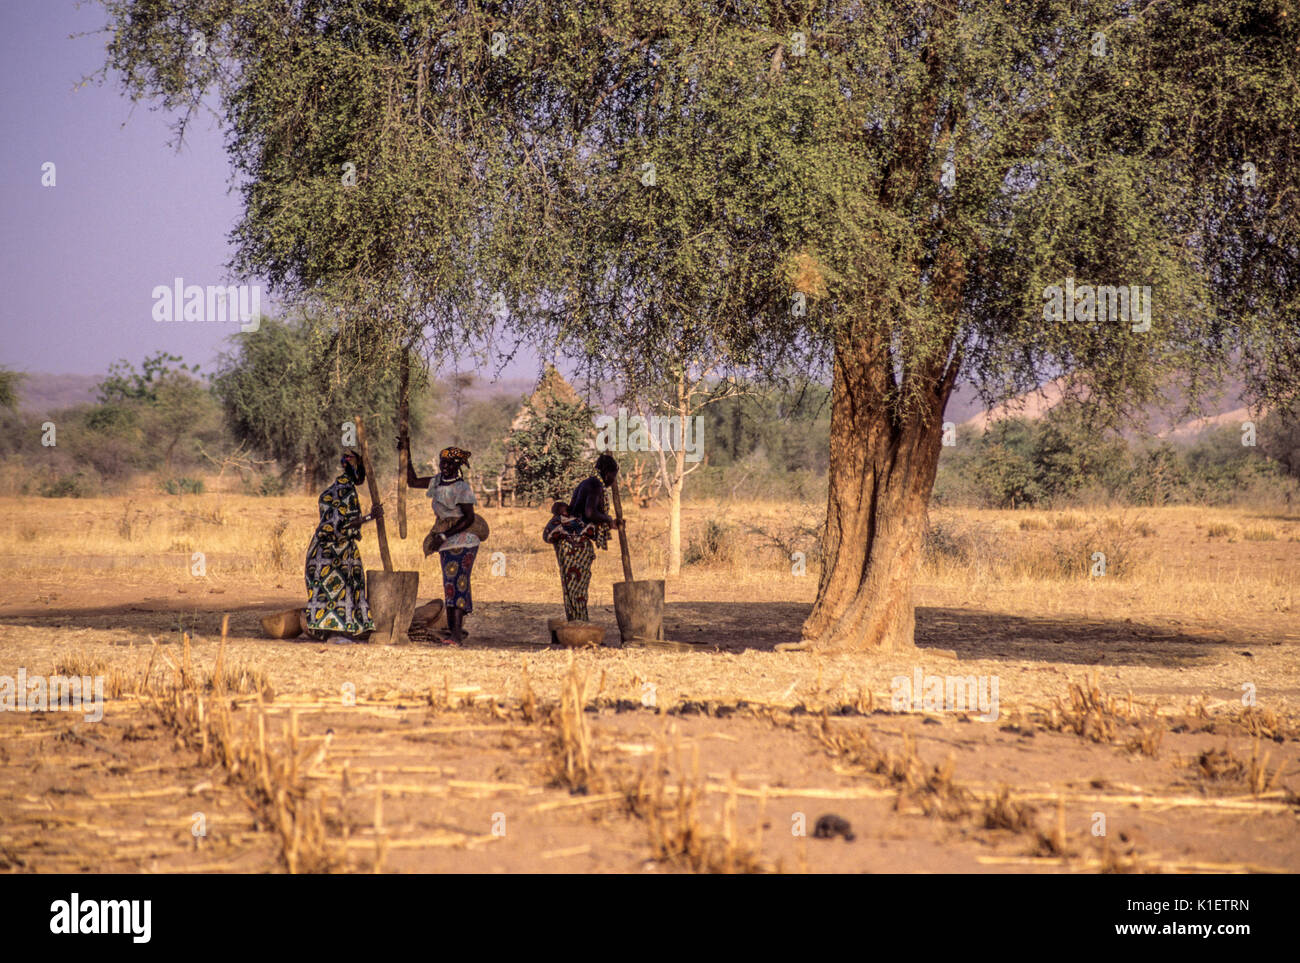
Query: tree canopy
637,170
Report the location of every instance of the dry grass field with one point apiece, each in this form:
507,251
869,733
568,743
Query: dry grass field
1123,741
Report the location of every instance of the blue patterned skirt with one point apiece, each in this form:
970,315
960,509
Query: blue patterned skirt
457,564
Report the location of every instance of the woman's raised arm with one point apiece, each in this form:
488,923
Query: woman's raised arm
412,479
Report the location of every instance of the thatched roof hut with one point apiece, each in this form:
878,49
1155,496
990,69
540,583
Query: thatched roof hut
552,388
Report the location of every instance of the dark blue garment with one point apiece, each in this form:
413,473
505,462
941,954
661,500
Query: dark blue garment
589,497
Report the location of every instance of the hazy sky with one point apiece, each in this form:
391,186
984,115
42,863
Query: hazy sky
80,260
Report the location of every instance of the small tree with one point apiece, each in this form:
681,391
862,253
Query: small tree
163,402
281,397
9,382
123,383
553,449
1070,453
1005,468
1279,438
680,401
1158,474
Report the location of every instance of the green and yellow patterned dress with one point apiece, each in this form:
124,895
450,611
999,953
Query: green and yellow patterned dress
336,578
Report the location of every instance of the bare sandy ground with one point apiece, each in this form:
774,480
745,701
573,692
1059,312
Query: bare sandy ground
436,765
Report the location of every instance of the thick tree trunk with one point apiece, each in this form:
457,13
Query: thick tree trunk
882,468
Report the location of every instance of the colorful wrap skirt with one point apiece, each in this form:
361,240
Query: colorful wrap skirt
574,556
336,587
457,564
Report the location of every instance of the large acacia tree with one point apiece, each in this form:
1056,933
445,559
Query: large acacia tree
883,190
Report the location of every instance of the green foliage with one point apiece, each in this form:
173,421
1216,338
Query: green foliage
553,450
124,384
9,382
1071,453
160,409
789,426
783,165
1279,438
1159,474
1008,477
1060,460
160,417
181,486
280,396
1219,466
347,124
77,484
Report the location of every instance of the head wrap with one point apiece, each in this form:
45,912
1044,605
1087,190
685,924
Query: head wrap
356,474
452,453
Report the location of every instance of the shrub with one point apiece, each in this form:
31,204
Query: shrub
277,553
80,484
970,548
717,543
789,537
270,485
961,547
182,486
1068,522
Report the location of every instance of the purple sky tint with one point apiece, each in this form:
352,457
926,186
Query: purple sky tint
80,260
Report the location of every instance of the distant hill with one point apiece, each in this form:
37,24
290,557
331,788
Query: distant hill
1227,408
963,404
41,391
1032,405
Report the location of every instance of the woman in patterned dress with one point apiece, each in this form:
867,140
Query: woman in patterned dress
578,530
336,578
453,503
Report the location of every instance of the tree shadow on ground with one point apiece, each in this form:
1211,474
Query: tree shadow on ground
725,626
972,634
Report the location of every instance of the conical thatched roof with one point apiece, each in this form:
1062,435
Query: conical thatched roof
551,387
